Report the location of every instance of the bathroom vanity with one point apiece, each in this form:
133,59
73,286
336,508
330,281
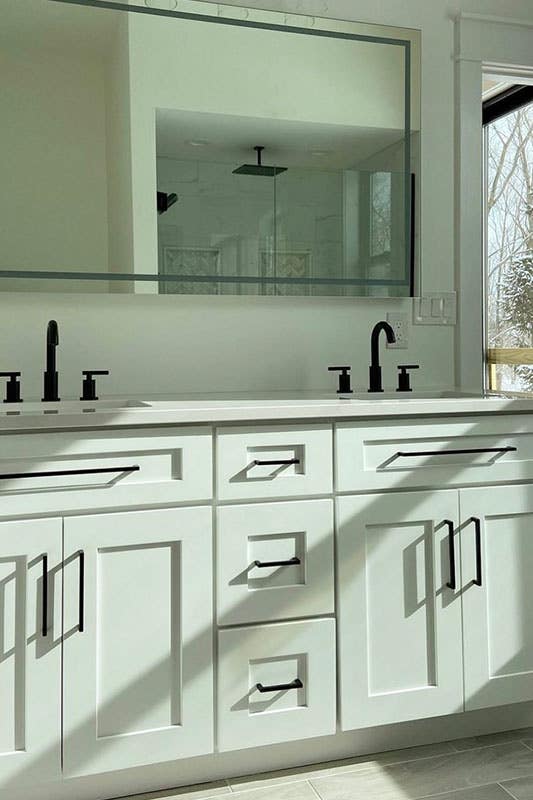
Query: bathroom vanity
190,578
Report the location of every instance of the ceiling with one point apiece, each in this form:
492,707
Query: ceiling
230,139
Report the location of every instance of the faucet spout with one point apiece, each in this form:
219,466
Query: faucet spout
375,367
52,333
51,376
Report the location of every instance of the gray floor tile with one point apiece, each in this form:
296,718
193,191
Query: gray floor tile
492,738
492,792
288,791
201,791
521,789
429,776
358,763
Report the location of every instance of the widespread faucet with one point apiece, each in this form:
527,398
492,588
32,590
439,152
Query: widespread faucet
375,368
51,376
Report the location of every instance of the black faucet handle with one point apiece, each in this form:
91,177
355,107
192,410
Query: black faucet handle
404,378
89,384
12,387
345,386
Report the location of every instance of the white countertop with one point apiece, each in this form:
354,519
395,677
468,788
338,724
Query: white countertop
248,408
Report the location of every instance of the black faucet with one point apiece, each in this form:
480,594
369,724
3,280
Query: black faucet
375,368
51,376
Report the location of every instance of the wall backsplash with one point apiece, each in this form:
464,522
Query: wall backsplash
172,344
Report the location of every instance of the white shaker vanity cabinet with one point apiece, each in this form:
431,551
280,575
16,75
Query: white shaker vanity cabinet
434,585
211,589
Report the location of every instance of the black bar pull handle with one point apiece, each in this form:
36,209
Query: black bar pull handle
288,563
45,595
81,596
63,472
452,583
280,687
468,451
278,462
478,580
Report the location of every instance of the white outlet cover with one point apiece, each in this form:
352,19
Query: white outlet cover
400,322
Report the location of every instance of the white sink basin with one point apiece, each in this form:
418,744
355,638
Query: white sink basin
70,407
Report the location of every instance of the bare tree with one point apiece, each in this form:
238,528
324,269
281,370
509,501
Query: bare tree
510,238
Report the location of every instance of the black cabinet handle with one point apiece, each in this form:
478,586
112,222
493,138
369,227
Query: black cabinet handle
45,595
478,580
280,687
280,462
469,451
288,563
57,473
81,596
452,583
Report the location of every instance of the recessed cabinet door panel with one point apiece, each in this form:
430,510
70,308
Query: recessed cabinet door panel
399,622
138,639
30,662
497,555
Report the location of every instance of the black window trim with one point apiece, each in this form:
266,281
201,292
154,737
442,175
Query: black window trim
505,102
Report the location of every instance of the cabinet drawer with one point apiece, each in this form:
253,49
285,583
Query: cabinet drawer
285,461
294,665
73,470
253,541
437,453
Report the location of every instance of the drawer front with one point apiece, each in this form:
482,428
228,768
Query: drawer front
438,453
294,665
285,461
275,561
73,470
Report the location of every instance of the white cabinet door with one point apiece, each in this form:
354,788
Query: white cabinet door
497,556
399,624
138,675
30,652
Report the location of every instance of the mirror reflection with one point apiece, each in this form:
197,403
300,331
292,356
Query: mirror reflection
224,152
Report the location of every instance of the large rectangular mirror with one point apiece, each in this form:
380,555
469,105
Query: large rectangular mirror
178,147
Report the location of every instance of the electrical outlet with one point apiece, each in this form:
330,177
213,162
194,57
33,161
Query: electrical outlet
400,324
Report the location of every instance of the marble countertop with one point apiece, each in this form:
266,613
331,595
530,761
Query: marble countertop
281,407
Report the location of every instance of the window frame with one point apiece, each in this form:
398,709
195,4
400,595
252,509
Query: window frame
507,101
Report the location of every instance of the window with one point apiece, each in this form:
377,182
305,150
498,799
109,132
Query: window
508,151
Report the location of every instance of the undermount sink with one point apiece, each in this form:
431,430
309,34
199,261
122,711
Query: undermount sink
70,407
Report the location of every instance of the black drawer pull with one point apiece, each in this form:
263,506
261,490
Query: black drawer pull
45,595
452,583
280,687
288,563
279,463
63,472
469,451
478,580
81,596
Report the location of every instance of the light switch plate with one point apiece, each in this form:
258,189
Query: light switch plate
435,309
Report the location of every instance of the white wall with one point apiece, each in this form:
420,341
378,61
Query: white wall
202,344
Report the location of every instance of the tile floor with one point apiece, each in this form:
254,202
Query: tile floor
494,767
